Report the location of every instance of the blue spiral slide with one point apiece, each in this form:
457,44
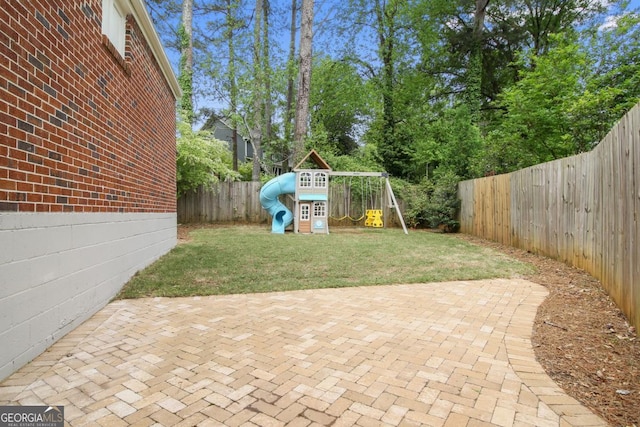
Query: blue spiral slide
282,216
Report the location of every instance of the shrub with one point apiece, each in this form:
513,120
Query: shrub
201,159
444,205
415,198
245,170
431,203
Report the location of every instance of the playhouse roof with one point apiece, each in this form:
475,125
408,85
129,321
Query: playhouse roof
315,157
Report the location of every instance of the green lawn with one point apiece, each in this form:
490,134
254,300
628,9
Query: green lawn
227,260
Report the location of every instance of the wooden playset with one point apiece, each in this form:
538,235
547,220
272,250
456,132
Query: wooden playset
309,185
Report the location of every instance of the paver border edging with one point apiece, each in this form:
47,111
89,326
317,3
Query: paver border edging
523,362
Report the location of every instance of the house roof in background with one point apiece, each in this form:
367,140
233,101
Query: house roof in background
210,123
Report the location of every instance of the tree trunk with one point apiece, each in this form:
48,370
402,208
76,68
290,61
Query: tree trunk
233,87
186,60
474,70
258,97
304,81
187,24
389,148
268,107
289,114
386,36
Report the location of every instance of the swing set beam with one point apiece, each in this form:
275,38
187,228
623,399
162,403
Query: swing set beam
385,175
374,174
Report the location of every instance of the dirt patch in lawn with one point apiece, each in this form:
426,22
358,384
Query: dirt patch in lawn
183,233
582,339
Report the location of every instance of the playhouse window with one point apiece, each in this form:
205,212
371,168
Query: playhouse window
320,180
320,209
304,212
305,179
114,23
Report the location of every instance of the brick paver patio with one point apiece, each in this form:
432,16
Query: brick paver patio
442,354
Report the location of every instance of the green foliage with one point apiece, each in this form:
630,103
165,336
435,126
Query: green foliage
613,85
339,102
201,159
449,141
245,170
566,99
536,126
388,58
395,147
444,205
363,159
431,203
474,83
319,140
415,198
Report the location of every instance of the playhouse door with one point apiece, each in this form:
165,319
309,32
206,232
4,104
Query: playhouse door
319,218
304,224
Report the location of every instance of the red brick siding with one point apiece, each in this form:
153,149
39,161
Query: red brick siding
81,129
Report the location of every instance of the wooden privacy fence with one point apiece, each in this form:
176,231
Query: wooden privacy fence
239,202
583,210
224,202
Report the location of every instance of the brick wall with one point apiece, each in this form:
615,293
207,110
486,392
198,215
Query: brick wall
82,129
